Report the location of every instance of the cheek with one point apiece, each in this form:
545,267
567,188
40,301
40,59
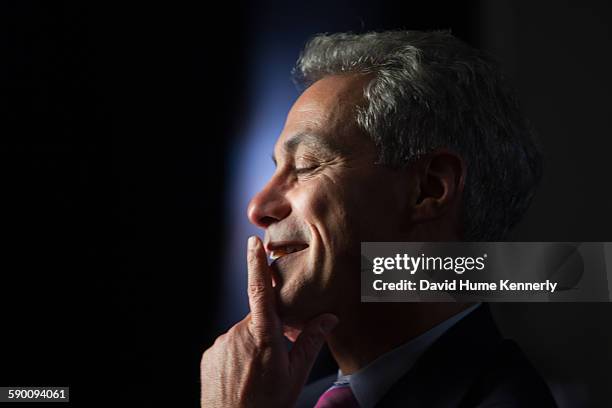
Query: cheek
308,203
325,208
321,204
373,210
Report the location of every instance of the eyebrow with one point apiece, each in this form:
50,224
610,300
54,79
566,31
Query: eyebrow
308,139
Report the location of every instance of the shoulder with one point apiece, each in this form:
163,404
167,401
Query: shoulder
509,379
471,365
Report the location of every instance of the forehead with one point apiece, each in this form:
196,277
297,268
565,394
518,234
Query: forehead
327,110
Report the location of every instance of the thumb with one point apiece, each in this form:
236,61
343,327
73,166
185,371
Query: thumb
308,344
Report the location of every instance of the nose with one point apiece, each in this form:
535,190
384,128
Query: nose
268,206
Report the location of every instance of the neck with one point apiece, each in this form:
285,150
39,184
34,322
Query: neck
374,329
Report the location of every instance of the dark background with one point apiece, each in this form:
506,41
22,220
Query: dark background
117,122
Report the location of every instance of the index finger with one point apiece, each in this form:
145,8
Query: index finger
264,319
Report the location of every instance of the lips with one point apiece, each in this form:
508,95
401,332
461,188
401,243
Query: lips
278,250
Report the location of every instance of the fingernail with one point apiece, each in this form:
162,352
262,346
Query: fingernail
328,324
251,242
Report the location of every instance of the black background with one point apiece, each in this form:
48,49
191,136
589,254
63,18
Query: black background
116,121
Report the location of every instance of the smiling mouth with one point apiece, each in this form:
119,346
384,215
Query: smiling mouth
278,251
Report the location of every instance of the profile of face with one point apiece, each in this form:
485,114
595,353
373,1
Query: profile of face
326,196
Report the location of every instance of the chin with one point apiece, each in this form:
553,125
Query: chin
297,308
305,288
298,298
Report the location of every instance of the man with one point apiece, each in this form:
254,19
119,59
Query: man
398,136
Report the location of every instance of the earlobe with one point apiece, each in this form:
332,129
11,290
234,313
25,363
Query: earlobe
441,178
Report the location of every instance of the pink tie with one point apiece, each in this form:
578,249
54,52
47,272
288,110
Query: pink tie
338,396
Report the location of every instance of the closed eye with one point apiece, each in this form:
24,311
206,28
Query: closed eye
305,170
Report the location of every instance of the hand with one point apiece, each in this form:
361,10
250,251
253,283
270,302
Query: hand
250,366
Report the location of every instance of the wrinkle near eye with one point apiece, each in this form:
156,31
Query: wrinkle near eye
328,170
307,159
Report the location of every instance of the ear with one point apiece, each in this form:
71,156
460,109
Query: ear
441,179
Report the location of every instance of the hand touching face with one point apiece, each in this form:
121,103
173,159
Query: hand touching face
249,366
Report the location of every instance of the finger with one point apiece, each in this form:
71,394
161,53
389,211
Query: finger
308,344
264,319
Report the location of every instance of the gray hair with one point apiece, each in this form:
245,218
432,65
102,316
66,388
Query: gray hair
431,90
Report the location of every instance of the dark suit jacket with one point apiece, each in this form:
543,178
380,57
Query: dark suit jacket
468,366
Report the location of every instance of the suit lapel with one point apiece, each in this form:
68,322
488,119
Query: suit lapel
443,374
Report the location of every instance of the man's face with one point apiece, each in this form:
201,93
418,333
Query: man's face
325,197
